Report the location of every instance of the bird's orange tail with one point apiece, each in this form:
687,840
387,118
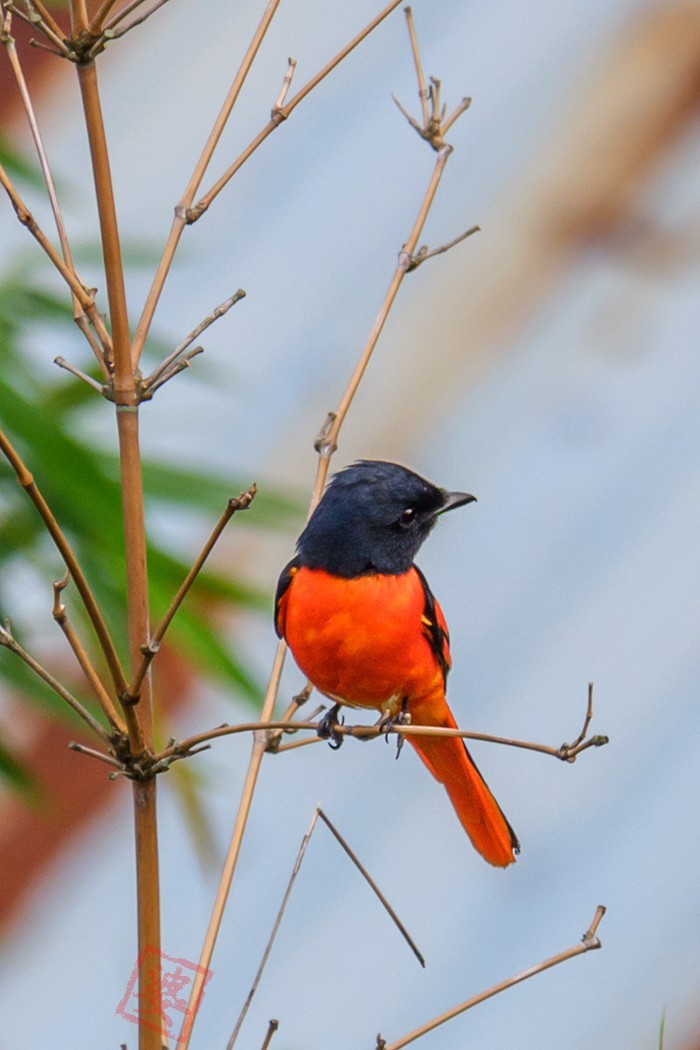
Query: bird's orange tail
450,763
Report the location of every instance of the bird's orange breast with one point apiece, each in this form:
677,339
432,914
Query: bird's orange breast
362,640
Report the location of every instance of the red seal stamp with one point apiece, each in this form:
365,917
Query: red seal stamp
156,994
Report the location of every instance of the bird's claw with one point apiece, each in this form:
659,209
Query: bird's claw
387,722
327,727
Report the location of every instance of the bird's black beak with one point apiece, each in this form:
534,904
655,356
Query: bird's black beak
456,499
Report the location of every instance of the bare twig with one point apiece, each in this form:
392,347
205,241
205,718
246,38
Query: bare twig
329,442
370,881
271,940
41,46
272,1027
259,745
46,17
60,615
423,254
459,110
84,296
297,701
78,309
588,943
7,641
282,113
218,312
98,18
273,729
422,90
128,9
318,812
193,185
240,502
174,370
298,743
81,749
26,481
114,34
38,22
99,387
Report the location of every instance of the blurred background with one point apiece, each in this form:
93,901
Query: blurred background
548,364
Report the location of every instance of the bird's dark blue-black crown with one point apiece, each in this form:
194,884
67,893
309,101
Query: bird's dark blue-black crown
372,518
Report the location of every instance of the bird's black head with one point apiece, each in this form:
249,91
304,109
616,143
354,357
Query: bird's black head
373,518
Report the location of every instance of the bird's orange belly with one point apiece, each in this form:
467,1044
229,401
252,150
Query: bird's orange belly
361,641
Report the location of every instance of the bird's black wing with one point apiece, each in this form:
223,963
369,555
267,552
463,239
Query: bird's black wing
435,627
286,577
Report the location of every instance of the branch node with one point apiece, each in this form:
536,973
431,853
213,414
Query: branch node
322,445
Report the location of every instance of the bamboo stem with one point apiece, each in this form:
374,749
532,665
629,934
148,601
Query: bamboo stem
259,747
139,718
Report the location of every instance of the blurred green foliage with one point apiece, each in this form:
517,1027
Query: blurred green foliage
47,416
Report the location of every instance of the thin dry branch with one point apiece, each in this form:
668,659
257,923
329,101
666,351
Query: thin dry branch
125,11
174,370
372,884
139,718
423,254
79,314
216,313
47,26
317,813
237,503
98,18
26,481
272,1027
327,442
113,34
422,90
82,750
103,389
565,752
60,615
193,185
7,641
275,928
589,942
281,113
259,746
84,296
46,16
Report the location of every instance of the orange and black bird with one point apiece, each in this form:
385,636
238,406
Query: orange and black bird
365,629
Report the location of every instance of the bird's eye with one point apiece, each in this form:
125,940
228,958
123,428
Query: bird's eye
408,516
